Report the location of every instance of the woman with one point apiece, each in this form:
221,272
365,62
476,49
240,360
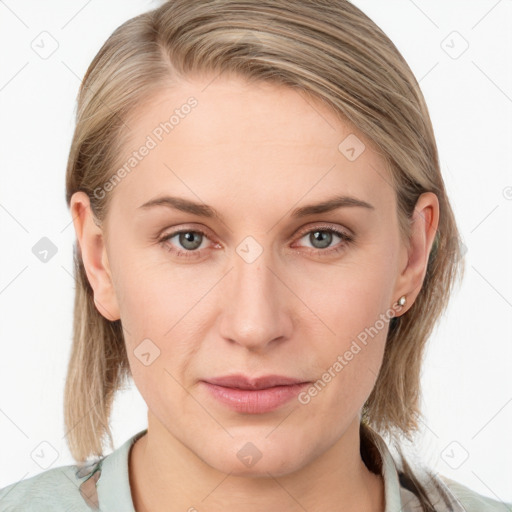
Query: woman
264,243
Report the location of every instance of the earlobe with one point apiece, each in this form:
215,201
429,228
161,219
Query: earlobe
423,231
91,241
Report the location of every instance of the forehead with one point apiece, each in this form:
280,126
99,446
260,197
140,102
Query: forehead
220,137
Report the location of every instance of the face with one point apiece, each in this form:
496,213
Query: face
260,286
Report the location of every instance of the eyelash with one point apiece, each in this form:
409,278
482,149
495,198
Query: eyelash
346,240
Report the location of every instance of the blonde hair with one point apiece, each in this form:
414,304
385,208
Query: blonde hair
326,48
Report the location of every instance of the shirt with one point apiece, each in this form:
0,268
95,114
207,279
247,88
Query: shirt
104,485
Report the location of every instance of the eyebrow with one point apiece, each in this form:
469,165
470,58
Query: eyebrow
203,210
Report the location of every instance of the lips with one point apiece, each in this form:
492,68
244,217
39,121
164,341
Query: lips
253,395
240,381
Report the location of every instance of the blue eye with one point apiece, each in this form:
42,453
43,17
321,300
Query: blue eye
188,238
324,237
191,240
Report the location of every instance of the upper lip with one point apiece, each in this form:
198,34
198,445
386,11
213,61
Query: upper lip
243,382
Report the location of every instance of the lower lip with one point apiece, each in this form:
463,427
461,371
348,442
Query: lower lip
255,401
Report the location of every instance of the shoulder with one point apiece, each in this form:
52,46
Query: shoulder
101,484
416,482
57,489
472,501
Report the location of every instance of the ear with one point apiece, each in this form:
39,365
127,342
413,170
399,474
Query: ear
91,240
423,230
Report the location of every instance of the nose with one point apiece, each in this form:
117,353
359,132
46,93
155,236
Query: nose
256,305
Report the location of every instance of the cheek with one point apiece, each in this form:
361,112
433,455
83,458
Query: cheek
348,298
160,312
146,315
347,369
148,296
354,312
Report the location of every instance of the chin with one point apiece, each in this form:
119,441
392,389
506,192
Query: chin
255,458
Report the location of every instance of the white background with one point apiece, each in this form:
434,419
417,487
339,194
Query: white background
467,387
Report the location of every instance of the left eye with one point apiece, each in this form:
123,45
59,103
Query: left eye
191,240
323,237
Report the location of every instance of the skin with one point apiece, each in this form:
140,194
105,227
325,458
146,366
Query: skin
254,153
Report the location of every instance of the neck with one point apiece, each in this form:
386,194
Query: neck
165,475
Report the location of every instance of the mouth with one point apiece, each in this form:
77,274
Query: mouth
254,395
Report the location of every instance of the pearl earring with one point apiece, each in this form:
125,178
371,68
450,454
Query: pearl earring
401,300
